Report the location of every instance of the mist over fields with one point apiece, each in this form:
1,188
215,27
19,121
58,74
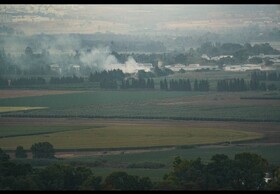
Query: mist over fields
92,37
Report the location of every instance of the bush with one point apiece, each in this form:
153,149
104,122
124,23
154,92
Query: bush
42,150
20,152
3,155
150,165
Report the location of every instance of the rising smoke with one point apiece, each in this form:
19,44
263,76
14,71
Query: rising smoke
62,50
102,59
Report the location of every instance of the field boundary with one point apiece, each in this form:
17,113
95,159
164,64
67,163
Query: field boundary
43,133
140,117
151,148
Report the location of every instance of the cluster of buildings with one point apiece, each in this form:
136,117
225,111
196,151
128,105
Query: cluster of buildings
235,68
249,67
134,67
58,69
192,67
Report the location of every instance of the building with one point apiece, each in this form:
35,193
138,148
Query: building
191,67
76,67
55,68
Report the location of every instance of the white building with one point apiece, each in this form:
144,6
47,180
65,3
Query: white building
55,68
233,68
245,67
215,58
191,67
76,67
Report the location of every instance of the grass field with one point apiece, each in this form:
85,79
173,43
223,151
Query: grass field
151,104
118,136
77,133
13,131
18,108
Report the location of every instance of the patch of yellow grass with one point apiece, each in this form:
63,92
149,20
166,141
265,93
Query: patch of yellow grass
18,108
131,136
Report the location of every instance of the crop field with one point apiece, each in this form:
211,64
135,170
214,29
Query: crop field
131,127
152,105
118,135
24,93
20,108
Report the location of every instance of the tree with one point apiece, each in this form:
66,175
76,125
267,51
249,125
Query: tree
123,181
3,156
195,87
42,150
187,174
91,183
20,152
249,171
274,184
219,172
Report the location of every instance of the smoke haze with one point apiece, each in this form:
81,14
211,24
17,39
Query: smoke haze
102,59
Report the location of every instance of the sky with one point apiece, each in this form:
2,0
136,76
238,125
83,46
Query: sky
135,18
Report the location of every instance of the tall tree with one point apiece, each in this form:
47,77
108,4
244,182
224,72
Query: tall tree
20,152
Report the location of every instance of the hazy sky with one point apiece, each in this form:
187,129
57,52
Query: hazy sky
128,19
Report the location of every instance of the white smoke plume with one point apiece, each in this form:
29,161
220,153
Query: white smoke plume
102,59
98,58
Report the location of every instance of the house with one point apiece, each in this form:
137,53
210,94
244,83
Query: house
76,67
55,67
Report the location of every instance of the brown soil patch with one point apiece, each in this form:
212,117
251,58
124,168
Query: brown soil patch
25,93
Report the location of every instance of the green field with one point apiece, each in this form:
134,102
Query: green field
13,131
82,129
150,104
15,108
117,136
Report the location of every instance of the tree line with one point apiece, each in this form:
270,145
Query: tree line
246,171
265,76
66,80
28,81
107,79
140,83
22,81
114,79
184,85
256,82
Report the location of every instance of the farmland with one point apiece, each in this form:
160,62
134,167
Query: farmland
111,130
24,93
151,104
15,108
126,134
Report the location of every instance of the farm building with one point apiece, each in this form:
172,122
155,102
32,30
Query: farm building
245,67
76,67
55,68
215,58
191,67
176,67
195,67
